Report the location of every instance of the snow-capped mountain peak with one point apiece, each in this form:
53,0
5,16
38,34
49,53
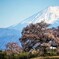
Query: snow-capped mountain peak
50,15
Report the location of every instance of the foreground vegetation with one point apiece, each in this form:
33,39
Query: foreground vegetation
27,55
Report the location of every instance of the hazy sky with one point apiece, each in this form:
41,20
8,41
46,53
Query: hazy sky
13,11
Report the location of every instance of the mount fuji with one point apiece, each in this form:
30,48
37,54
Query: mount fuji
49,15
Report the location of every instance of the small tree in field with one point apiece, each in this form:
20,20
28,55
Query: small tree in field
12,48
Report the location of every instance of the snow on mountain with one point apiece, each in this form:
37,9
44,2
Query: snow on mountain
50,15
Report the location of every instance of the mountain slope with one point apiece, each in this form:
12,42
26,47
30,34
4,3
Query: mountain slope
50,15
8,35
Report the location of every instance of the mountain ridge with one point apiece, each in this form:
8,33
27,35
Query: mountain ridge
50,15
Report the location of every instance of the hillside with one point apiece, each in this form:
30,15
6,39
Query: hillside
8,35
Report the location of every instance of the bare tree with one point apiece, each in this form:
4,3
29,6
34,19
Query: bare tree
13,47
33,33
39,35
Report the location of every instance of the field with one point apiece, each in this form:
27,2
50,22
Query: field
47,57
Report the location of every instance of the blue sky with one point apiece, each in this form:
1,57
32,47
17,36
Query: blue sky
14,11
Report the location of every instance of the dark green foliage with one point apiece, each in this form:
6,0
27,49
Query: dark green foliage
52,52
33,55
23,55
2,55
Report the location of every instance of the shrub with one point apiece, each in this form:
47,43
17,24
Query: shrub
52,52
23,55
